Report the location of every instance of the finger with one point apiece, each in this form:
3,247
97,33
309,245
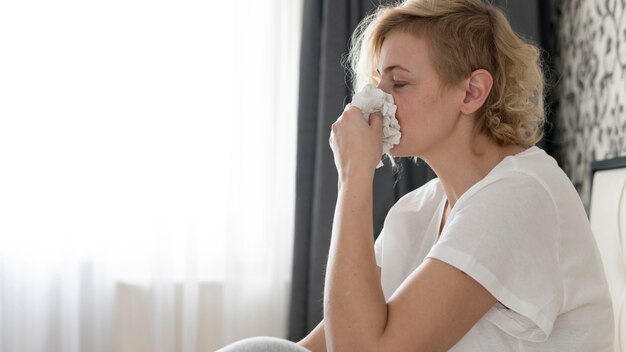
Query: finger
376,120
351,109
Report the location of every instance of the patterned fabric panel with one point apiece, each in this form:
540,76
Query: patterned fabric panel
591,87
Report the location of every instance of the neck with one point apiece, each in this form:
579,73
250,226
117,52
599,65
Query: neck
461,165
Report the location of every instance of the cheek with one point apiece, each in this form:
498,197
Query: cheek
410,109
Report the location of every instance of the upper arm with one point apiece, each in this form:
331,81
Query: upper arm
500,245
506,237
432,310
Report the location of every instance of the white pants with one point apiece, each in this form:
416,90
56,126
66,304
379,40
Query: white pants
263,344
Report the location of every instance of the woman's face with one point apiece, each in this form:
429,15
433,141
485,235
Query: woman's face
427,114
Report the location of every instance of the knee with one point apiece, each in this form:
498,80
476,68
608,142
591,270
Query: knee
264,344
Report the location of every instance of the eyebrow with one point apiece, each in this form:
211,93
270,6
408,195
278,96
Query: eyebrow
393,67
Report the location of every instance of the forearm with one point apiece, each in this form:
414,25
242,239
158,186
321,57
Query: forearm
355,311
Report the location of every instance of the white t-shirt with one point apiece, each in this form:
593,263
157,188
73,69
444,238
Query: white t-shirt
523,234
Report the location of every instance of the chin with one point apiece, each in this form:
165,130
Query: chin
399,151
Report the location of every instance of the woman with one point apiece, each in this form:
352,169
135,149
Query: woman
496,254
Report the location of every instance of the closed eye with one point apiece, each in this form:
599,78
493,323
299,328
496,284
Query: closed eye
398,85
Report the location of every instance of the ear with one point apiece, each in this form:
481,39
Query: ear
477,88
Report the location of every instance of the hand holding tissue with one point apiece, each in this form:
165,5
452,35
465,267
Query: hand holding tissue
370,100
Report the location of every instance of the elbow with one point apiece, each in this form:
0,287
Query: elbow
351,347
348,345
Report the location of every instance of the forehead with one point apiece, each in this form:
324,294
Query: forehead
403,49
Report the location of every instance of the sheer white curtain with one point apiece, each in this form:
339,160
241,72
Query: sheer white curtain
147,162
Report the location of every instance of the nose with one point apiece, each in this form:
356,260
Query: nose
382,87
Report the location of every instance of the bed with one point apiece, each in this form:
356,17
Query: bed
607,214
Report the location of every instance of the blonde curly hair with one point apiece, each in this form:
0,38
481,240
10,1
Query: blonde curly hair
464,35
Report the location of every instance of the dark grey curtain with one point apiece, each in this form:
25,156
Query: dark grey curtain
324,90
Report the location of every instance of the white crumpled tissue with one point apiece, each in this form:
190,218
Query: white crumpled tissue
371,99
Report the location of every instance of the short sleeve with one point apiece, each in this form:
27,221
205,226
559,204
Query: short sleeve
505,236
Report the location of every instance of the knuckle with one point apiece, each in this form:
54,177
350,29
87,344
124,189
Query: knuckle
353,112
